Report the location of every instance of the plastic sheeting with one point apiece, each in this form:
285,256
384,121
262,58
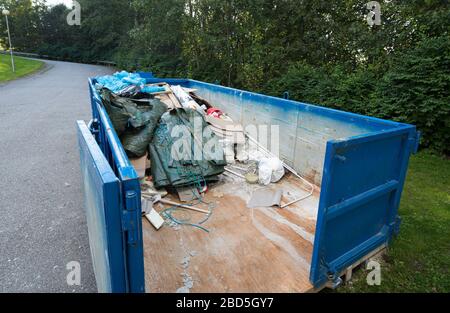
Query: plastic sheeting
152,89
134,123
121,80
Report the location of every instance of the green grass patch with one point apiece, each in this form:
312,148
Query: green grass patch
418,260
23,67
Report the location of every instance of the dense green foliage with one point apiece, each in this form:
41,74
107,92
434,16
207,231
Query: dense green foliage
320,51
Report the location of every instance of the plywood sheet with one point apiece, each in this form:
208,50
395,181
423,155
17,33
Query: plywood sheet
246,250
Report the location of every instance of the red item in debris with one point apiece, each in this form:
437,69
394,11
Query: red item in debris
203,189
214,112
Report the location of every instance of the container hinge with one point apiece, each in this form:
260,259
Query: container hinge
334,280
94,126
415,141
394,227
130,217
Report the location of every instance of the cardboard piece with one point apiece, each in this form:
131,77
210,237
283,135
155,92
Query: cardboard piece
140,165
155,219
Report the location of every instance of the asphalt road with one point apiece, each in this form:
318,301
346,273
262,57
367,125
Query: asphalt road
42,223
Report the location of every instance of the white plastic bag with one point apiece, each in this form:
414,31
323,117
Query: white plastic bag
265,172
271,170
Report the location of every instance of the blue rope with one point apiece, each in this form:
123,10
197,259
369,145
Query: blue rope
168,214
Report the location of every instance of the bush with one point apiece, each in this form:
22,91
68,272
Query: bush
414,90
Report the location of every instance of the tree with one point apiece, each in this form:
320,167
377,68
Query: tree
104,26
321,51
155,40
25,24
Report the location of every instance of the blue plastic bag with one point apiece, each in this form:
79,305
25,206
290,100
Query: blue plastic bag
152,89
121,80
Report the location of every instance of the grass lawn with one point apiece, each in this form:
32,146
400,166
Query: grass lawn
23,67
418,260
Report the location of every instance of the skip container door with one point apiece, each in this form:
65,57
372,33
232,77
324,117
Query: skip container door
361,190
102,198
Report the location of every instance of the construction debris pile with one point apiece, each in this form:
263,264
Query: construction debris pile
174,168
179,142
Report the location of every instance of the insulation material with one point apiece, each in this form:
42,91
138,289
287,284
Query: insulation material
185,99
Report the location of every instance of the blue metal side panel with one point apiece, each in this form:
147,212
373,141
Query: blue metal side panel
146,75
171,81
361,190
112,149
247,96
290,105
102,196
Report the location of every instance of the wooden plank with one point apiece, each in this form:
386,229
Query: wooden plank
349,270
348,274
174,100
169,99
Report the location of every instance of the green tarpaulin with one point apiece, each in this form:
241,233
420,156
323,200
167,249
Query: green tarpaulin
134,122
184,150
